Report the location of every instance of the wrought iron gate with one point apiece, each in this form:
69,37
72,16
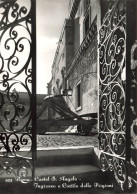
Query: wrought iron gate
112,52
17,90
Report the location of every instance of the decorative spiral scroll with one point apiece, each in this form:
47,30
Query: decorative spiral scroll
111,55
15,50
15,65
16,169
16,89
14,11
115,165
112,140
112,108
15,113
15,145
115,15
113,144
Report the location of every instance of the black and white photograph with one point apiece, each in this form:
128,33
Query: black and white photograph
68,96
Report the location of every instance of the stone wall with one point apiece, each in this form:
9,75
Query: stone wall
63,56
81,13
85,71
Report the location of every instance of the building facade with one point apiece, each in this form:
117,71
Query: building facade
75,61
63,55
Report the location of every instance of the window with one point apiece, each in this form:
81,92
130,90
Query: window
78,96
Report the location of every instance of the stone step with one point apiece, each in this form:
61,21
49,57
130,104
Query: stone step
76,164
64,157
71,178
69,171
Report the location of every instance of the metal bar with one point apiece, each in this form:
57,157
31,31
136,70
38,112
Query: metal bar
129,41
15,23
33,100
122,158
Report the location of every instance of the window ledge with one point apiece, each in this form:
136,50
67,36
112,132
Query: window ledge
78,108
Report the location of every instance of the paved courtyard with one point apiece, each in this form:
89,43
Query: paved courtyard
54,141
59,140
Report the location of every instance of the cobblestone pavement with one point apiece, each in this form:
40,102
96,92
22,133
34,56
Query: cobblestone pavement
54,141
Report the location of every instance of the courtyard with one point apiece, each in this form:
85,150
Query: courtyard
64,140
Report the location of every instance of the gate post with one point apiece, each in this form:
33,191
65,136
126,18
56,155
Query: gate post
34,99
131,92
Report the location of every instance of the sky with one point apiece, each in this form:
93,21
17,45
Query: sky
50,19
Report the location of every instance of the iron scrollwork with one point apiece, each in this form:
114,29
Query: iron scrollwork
16,88
112,131
15,170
